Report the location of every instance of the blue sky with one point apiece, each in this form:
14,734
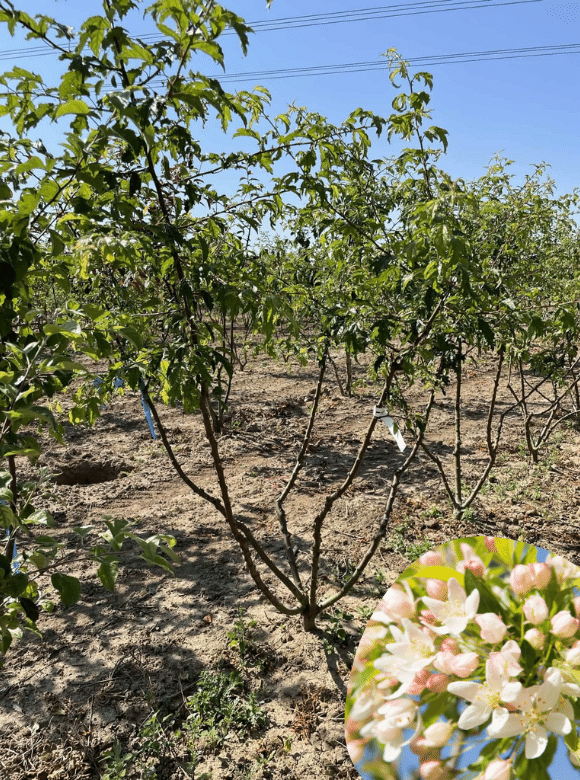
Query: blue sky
525,108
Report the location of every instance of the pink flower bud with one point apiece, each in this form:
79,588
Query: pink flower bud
493,629
431,558
438,683
536,610
475,566
498,770
418,684
437,589
427,616
419,747
541,575
442,662
397,603
489,542
577,606
438,734
433,770
573,654
463,664
356,749
535,637
564,625
450,644
521,580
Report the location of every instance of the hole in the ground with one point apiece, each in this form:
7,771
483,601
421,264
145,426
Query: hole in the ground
89,472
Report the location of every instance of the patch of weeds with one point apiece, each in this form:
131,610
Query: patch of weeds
220,706
364,613
434,511
241,640
337,631
152,747
239,637
469,515
411,550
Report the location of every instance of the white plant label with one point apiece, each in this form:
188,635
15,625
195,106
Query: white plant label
383,415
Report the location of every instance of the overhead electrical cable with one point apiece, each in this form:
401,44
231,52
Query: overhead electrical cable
373,65
311,20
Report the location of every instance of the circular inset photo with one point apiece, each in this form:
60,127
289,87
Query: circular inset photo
469,668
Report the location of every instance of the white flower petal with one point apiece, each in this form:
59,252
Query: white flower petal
549,693
474,715
472,603
559,723
392,749
511,691
456,624
467,690
536,742
504,724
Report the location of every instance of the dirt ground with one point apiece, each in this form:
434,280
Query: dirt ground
104,667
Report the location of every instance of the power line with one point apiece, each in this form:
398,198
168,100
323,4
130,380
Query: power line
310,20
360,67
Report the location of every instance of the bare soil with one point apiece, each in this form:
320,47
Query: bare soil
107,664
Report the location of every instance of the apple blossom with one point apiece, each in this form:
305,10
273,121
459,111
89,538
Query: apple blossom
442,661
456,612
493,629
419,747
535,637
438,734
489,542
388,727
498,769
449,643
521,579
427,616
536,610
563,568
564,625
477,568
537,715
438,683
418,683
485,698
506,660
398,603
541,575
433,770
463,664
437,589
431,558
573,654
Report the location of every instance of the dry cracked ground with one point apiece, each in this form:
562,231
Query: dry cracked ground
195,675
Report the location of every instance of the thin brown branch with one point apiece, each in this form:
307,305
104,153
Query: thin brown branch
280,511
386,515
168,448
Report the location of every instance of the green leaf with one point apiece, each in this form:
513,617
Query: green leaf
487,599
437,572
108,571
69,328
31,610
505,549
69,588
75,106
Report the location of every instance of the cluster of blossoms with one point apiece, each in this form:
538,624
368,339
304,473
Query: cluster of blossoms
500,651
